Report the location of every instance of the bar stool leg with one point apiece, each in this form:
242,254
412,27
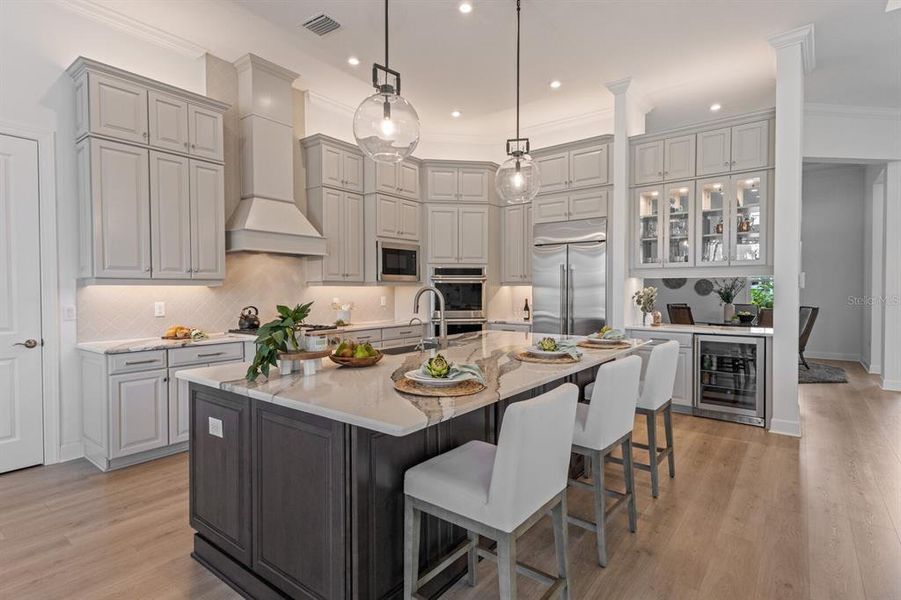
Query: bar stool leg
600,510
629,475
668,429
561,540
412,520
473,558
652,452
506,565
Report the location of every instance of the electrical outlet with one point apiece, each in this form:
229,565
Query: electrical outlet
215,427
336,300
69,313
159,309
383,301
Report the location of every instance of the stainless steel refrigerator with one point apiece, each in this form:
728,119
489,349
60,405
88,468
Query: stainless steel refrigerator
569,277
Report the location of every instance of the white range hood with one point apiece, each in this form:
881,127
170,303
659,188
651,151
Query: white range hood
267,219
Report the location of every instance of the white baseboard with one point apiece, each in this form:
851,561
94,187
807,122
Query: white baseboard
891,385
71,451
833,356
782,427
875,369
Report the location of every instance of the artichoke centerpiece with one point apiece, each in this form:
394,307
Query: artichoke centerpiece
438,367
547,344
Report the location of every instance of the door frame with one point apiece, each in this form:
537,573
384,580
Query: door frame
49,260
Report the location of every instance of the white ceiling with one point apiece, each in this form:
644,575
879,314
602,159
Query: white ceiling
684,55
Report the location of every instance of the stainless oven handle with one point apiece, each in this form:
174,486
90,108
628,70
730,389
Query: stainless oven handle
450,279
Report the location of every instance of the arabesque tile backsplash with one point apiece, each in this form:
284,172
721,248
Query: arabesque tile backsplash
264,280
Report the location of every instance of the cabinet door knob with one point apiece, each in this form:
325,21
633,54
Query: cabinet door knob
733,162
193,146
726,164
144,135
188,270
186,144
146,269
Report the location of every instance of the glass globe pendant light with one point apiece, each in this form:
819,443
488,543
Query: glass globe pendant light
386,126
517,180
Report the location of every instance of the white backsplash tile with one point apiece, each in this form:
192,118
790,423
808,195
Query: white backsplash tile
263,280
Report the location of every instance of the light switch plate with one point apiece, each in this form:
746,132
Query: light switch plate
159,309
383,301
69,313
215,427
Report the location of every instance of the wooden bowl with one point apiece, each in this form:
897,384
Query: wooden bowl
356,362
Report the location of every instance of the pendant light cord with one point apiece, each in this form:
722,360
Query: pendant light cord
386,35
517,67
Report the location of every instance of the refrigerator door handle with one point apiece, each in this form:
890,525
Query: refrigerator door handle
564,297
571,293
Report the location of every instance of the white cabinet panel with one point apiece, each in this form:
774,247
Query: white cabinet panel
168,122
550,209
410,220
205,133
138,412
588,167
512,267
679,157
332,166
527,244
443,234
386,177
353,237
121,210
170,216
473,227
750,146
714,151
683,386
180,406
207,220
408,179
647,162
441,183
554,171
588,205
118,108
352,171
473,185
387,216
332,230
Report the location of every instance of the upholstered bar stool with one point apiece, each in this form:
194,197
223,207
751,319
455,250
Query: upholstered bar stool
499,492
601,427
656,398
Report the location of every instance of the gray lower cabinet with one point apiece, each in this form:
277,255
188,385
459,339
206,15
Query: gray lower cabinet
138,411
291,504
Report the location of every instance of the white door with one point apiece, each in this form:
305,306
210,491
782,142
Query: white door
118,108
750,146
588,167
168,122
408,179
121,198
473,226
333,231
353,237
170,216
550,209
207,220
352,171
442,234
410,219
512,243
205,133
588,205
442,183
21,401
139,412
473,186
714,151
554,172
387,216
648,163
679,157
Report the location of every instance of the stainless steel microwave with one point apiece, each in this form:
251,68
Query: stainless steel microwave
397,261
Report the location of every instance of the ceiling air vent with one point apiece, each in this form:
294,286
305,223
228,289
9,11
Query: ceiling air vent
322,24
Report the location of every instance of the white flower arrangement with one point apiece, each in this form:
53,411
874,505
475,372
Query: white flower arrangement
645,299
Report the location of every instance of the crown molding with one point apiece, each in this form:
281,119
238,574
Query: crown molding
252,60
317,99
107,16
852,112
802,36
619,86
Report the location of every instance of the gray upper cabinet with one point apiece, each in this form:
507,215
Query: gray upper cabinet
152,198
339,216
397,218
333,163
737,148
577,168
401,179
455,183
647,162
679,157
714,151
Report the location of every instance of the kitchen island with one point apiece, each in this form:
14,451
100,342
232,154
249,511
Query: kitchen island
296,483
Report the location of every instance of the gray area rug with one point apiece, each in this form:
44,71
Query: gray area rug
819,373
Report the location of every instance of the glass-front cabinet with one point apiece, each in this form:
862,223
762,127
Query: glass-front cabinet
749,194
713,231
678,225
732,220
649,227
664,225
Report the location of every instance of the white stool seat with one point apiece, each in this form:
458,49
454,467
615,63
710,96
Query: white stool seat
457,480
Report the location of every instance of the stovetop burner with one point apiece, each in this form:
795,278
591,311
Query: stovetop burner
308,327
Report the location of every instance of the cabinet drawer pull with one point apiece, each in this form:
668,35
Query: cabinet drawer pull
405,332
210,354
141,362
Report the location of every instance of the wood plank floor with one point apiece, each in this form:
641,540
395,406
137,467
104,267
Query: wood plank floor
749,515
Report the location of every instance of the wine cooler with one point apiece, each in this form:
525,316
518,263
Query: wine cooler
730,378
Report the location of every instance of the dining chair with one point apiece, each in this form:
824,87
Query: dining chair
807,316
680,314
765,317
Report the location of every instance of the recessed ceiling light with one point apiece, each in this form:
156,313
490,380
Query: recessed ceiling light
353,61
555,84
465,7
456,114
715,106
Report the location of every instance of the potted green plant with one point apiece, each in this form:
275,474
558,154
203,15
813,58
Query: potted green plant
762,293
645,299
727,290
276,336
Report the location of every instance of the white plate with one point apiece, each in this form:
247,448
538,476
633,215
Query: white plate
418,377
546,353
594,337
601,343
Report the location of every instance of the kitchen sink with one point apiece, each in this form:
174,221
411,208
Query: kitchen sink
410,348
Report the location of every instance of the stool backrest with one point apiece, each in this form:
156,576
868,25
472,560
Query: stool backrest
532,460
660,376
611,413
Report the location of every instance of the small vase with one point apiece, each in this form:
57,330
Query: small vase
644,318
728,312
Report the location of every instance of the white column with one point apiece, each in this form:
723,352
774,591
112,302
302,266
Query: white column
891,313
794,58
629,119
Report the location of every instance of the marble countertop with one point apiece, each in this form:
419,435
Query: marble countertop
706,329
140,344
367,398
510,322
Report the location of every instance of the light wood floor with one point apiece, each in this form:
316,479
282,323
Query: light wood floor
749,515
